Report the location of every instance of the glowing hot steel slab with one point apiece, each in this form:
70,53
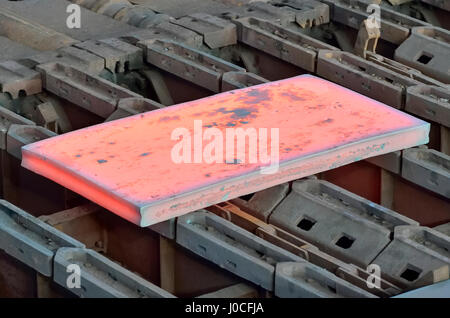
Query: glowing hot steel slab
129,166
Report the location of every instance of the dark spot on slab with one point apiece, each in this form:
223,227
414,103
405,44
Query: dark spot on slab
244,122
207,175
242,112
169,118
145,154
102,161
238,113
253,92
210,125
292,96
326,121
78,156
231,124
112,143
255,96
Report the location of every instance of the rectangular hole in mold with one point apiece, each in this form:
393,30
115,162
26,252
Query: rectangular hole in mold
345,241
425,58
411,273
306,223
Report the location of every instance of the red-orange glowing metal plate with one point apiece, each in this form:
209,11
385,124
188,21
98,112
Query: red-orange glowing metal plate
126,165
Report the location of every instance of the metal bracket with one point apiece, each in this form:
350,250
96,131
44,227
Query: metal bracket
337,221
308,13
364,77
71,56
90,92
429,102
290,46
402,69
237,80
30,240
303,280
427,168
348,272
395,27
133,106
166,31
190,64
119,56
216,32
19,80
7,118
414,252
21,135
428,50
102,278
231,247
